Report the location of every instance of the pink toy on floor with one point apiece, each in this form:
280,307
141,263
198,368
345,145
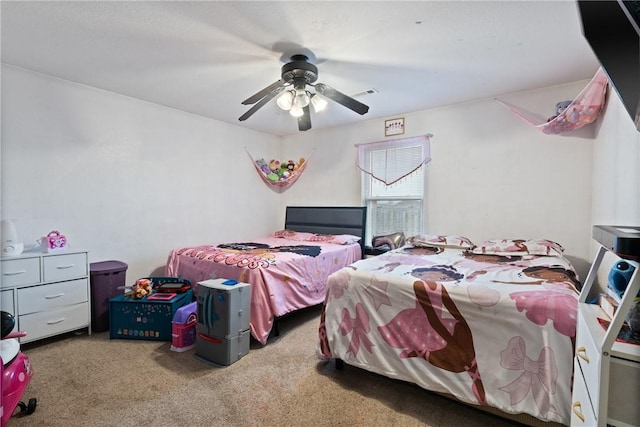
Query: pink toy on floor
15,370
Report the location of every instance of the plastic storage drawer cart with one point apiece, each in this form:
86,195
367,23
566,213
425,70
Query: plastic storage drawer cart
108,279
223,321
222,351
143,319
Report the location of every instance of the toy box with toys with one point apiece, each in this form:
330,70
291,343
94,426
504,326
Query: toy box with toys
146,312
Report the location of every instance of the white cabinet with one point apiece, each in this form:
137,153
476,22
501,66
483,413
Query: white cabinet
49,293
606,372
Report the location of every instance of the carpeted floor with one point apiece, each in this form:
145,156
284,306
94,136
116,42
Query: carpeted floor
93,381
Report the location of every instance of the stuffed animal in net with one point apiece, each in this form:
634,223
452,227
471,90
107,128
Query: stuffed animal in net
560,107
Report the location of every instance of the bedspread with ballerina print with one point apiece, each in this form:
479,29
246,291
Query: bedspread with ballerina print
490,330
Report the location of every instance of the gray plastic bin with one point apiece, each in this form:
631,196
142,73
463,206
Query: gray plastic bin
108,279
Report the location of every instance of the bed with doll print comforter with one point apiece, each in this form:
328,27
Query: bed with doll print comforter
287,270
490,328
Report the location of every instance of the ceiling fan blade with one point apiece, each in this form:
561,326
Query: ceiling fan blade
258,96
341,98
304,121
268,97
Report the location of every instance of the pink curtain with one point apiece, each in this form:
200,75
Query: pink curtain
584,109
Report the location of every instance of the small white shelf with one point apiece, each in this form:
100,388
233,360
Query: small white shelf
606,371
620,350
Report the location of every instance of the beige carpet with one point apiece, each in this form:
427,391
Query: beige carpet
89,381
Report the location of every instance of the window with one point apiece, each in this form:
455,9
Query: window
393,185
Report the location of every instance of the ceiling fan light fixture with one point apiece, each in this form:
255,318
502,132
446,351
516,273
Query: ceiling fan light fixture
297,75
319,104
296,111
285,101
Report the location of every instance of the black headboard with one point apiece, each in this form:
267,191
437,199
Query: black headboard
328,220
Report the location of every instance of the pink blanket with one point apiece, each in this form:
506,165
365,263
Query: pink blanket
285,274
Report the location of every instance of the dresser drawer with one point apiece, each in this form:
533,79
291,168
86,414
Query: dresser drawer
62,267
6,301
582,414
22,271
53,322
6,304
44,297
588,357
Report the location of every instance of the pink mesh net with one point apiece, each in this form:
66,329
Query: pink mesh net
281,184
584,109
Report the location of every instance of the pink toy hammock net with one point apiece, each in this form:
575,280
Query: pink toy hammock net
281,183
583,110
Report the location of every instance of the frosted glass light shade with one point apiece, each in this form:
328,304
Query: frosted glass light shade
285,100
318,103
296,111
301,99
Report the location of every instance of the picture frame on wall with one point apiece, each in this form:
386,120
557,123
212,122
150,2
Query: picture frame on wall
394,126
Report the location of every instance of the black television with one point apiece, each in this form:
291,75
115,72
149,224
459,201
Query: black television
612,29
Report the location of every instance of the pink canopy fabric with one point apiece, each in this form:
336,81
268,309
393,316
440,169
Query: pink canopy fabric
584,109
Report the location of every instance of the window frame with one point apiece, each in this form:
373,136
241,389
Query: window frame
368,177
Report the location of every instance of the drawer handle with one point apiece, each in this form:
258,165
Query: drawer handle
61,294
14,273
581,352
577,409
53,322
64,267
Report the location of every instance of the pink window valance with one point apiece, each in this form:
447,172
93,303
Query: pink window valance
395,159
583,110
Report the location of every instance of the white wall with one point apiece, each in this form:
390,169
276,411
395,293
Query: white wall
616,175
492,175
616,167
126,179
130,180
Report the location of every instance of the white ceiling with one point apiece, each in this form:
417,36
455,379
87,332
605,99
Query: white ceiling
206,57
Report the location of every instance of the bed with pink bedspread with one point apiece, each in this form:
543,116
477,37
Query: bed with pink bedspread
288,269
492,325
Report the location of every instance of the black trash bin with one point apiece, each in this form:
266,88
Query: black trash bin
108,279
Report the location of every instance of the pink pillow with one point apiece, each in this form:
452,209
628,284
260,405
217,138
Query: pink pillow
340,239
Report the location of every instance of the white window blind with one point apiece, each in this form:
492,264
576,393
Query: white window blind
393,159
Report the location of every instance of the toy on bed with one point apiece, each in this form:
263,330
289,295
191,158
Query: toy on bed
389,241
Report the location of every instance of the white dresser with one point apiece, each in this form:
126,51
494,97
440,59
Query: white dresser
606,381
48,293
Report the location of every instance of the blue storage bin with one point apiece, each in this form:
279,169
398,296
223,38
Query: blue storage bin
144,319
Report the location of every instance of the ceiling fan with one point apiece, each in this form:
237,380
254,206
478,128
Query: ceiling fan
296,77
